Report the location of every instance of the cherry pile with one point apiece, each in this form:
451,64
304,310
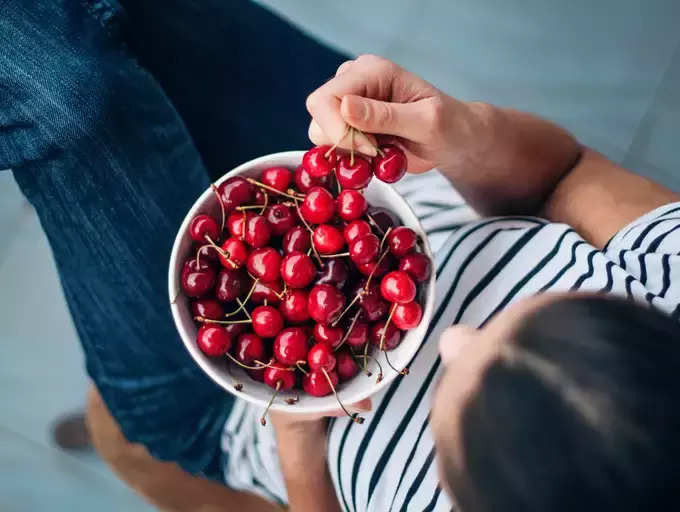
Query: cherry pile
302,275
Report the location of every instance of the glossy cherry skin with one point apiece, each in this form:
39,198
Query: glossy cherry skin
364,249
297,270
207,308
350,204
264,264
267,321
280,218
277,177
355,230
213,340
328,239
333,271
391,165
407,316
325,303
231,284
236,329
345,365
290,346
296,239
373,305
294,307
397,286
401,241
249,348
318,206
207,253
358,336
317,164
321,356
270,292
235,192
236,251
305,182
377,269
392,335
197,279
324,333
235,221
417,265
383,217
258,231
202,226
354,176
316,383
260,197
278,373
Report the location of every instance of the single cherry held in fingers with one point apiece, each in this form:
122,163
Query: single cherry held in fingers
364,249
397,286
294,306
197,279
407,316
235,253
401,241
202,226
325,303
331,336
267,291
305,182
264,264
355,230
297,270
318,206
296,239
316,383
213,340
290,346
317,163
278,373
207,308
328,239
321,356
355,175
249,348
277,177
417,265
351,204
345,365
235,192
267,321
391,165
392,335
280,218
333,271
258,231
231,284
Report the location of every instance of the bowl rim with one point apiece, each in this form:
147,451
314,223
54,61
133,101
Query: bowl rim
174,291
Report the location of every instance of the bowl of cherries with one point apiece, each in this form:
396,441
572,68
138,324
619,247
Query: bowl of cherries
302,281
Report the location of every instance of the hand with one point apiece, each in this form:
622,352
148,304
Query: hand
376,96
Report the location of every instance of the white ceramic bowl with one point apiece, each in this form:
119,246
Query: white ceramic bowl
226,373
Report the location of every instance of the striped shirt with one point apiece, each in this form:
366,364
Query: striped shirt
482,266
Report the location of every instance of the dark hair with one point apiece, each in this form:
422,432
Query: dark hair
581,411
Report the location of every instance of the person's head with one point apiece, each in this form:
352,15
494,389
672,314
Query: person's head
561,403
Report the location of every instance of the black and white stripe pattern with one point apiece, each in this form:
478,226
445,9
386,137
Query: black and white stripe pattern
483,265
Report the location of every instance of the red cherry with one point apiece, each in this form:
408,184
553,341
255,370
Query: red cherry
267,291
355,230
364,249
235,222
258,231
256,375
333,271
280,218
277,177
383,217
296,239
203,225
325,303
358,336
328,239
401,241
324,333
392,335
236,251
290,346
277,373
236,329
213,340
391,165
321,356
305,182
260,197
249,348
351,204
207,253
264,264
294,307
207,308
267,321
346,366
407,316
231,284
416,265
354,176
378,270
373,305
297,270
316,383
317,164
235,192
397,286
318,206
197,279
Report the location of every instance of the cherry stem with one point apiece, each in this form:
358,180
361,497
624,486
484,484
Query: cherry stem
403,371
242,304
269,365
204,320
266,202
368,373
248,207
174,299
243,365
238,386
337,182
349,330
337,255
384,238
365,355
355,417
311,234
377,149
299,366
263,420
351,151
221,252
356,298
384,329
344,134
293,400
219,200
377,264
372,221
272,189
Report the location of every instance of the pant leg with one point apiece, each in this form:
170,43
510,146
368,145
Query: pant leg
98,149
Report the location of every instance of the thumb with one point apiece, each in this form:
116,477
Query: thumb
373,116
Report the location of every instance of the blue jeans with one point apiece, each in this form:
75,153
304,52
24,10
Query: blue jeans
114,116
